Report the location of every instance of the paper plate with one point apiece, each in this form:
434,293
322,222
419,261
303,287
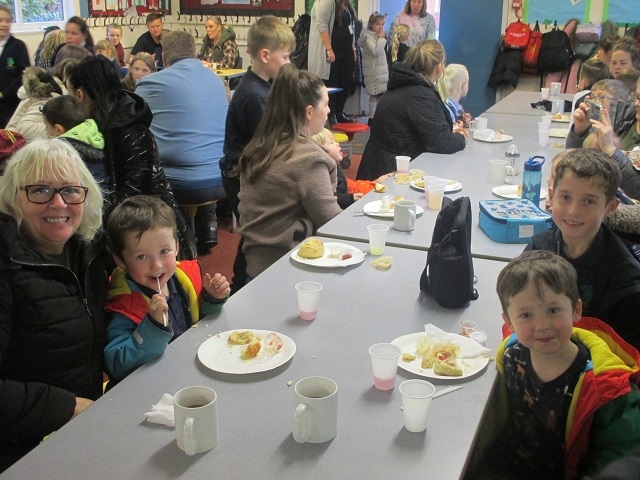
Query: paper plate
565,118
510,192
497,138
558,132
327,261
451,187
373,210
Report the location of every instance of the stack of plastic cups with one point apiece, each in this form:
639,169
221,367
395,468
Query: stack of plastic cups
543,131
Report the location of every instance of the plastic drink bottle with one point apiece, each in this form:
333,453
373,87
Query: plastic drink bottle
532,179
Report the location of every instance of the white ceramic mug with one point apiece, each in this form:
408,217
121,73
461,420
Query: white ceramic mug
316,410
500,172
479,123
404,215
196,414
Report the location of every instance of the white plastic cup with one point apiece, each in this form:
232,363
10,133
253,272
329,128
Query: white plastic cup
402,163
427,180
416,400
545,123
544,93
554,91
384,363
377,238
543,137
436,195
308,299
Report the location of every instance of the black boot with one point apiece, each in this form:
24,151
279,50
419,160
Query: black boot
206,228
342,118
331,120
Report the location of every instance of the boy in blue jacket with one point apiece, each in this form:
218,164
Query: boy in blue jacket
152,298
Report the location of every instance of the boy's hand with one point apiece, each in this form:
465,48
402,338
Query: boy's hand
216,286
605,132
581,122
159,309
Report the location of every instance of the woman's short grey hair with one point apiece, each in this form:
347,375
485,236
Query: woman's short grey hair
54,159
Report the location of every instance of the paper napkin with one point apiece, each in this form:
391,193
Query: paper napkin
486,134
162,412
470,349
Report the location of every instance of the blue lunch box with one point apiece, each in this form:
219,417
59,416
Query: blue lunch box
512,221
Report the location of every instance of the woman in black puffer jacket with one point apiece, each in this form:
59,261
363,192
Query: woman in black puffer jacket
411,118
53,286
124,118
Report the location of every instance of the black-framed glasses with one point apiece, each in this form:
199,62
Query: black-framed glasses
71,194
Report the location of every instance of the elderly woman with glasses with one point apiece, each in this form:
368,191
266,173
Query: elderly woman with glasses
52,292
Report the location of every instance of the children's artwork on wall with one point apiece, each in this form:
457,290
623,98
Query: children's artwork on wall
117,8
282,8
563,10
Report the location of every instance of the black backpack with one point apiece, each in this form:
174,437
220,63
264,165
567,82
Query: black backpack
448,275
300,56
556,54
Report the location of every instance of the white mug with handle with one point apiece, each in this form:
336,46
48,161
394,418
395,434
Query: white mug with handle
196,415
479,123
404,216
315,419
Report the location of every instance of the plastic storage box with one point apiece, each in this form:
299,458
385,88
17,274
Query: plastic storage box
512,221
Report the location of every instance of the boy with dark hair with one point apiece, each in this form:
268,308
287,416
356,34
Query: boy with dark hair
152,298
584,193
270,43
566,401
65,117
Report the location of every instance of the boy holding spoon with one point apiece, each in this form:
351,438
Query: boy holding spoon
152,298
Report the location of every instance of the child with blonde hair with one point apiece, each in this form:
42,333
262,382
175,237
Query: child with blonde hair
52,42
347,190
114,35
374,62
399,41
141,65
453,86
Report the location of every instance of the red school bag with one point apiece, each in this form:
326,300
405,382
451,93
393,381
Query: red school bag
530,53
10,142
517,35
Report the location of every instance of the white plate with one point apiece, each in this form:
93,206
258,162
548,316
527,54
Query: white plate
216,354
558,132
326,261
373,210
498,138
566,118
450,187
470,366
510,192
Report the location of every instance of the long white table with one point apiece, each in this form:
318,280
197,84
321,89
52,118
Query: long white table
470,167
359,306
519,103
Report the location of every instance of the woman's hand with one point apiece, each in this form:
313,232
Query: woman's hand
331,57
216,286
81,405
604,130
158,308
462,131
581,121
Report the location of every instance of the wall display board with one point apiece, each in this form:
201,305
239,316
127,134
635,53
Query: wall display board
561,10
281,8
117,8
622,12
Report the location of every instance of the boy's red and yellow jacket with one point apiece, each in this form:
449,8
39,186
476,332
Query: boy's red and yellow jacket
604,416
134,305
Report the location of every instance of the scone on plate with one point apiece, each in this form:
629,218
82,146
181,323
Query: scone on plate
311,248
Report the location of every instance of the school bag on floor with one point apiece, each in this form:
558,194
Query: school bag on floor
448,275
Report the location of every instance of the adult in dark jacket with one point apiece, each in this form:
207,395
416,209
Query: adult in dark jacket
132,155
411,118
14,58
52,293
